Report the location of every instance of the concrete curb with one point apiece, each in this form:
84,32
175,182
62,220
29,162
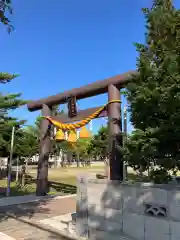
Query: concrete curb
44,228
58,232
8,201
58,224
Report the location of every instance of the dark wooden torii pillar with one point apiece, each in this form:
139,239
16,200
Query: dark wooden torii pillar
115,128
110,85
44,150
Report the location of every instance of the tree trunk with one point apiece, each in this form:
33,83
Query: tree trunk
62,160
106,167
23,171
77,160
59,158
17,169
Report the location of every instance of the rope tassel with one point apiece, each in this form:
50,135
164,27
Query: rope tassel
73,126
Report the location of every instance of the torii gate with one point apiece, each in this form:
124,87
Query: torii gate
112,86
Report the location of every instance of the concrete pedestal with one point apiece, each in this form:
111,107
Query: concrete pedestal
133,211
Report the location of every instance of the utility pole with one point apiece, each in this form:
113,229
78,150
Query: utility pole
10,164
124,138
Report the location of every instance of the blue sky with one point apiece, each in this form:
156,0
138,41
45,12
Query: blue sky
62,44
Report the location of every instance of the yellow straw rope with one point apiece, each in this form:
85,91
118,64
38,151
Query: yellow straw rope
73,126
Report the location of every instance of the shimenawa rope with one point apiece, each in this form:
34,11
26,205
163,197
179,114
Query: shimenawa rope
73,126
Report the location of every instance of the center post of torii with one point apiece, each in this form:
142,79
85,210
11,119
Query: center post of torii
111,86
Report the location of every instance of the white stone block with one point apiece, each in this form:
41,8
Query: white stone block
94,196
174,205
96,235
96,189
153,195
112,197
110,236
111,203
96,217
96,222
133,225
129,191
113,227
94,199
96,209
174,212
175,230
113,215
131,202
174,197
156,229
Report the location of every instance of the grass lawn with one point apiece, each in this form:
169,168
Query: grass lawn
15,189
62,180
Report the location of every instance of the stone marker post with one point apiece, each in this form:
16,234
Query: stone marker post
82,207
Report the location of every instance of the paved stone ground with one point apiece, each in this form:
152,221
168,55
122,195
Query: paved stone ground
21,221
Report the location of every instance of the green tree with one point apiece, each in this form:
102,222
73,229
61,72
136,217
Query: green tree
99,143
57,111
100,147
27,144
82,146
5,134
8,102
140,150
82,150
154,94
5,11
58,146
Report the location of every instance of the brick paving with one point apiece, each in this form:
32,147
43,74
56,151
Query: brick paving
20,221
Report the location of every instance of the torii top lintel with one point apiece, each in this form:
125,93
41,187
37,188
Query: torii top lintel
90,90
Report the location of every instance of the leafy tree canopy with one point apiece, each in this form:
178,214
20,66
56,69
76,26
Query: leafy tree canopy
99,143
27,142
5,11
154,95
8,102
